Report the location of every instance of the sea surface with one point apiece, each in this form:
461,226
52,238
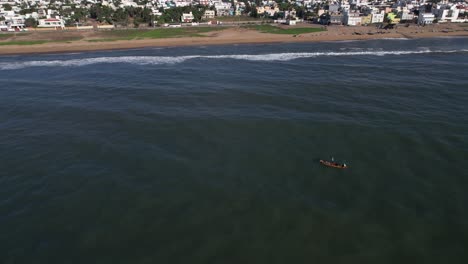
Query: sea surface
209,154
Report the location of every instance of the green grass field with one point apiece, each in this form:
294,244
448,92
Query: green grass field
278,30
155,33
39,41
32,42
9,35
5,36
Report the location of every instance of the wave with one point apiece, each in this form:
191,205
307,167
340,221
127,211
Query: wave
158,60
394,39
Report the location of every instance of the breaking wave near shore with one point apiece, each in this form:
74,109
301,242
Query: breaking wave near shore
160,60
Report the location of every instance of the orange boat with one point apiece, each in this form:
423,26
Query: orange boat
333,164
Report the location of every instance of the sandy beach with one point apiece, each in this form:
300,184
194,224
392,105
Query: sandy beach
229,35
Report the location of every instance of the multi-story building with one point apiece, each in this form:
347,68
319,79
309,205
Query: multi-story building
352,19
209,14
187,17
378,17
51,23
425,18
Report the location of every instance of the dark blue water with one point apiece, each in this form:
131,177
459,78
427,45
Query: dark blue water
210,154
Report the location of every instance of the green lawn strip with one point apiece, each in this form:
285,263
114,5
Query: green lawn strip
9,35
278,30
5,36
155,33
36,42
32,42
178,32
122,34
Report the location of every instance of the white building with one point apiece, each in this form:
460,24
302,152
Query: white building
446,14
182,3
407,15
352,19
156,12
425,18
203,2
345,7
187,17
222,8
51,23
378,17
3,27
209,14
360,2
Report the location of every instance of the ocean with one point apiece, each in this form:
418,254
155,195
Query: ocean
209,154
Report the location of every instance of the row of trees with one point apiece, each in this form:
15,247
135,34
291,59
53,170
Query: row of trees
135,15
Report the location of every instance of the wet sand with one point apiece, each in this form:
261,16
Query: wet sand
237,35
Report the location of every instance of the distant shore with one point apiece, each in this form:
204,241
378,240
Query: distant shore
234,35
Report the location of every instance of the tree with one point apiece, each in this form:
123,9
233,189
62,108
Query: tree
254,12
101,13
79,15
142,15
30,22
434,2
300,11
248,8
120,17
7,7
285,6
27,10
198,12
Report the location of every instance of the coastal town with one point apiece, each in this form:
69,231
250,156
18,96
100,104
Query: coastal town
24,15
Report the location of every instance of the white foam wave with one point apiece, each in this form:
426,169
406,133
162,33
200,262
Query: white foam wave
395,38
157,60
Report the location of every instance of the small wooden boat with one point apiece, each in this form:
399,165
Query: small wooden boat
333,164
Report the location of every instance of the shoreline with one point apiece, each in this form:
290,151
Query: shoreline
235,35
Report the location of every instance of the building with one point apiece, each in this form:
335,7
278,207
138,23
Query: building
406,15
267,10
352,19
223,8
51,23
3,27
182,3
333,8
366,20
187,17
378,17
223,12
11,27
203,2
392,18
446,13
336,19
425,18
209,14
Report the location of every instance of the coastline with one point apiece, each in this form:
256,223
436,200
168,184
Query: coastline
236,35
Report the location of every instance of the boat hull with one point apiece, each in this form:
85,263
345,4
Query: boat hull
333,164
